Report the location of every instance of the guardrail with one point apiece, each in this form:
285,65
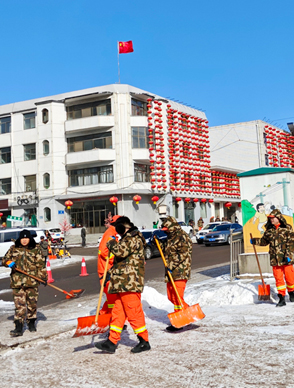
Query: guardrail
235,251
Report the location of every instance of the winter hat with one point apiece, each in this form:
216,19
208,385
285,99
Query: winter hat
25,234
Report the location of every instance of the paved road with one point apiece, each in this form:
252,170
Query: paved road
68,278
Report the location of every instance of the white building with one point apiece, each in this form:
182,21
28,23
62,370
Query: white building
111,141
249,145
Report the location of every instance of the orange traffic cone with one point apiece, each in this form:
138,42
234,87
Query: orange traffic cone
83,268
49,272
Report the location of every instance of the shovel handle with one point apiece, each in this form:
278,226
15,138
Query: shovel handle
42,281
101,289
169,274
254,248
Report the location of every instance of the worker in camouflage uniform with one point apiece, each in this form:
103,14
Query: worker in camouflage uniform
127,282
27,256
178,254
280,238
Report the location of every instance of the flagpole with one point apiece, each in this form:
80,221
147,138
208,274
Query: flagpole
118,62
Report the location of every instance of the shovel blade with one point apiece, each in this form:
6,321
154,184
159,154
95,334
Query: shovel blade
186,316
264,294
75,294
88,326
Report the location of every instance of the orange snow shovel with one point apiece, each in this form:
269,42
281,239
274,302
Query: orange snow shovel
186,315
69,295
264,290
94,324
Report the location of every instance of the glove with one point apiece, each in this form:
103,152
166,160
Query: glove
288,260
113,237
167,270
253,241
106,279
44,282
11,264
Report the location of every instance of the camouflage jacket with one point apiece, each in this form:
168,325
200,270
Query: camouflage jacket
29,260
177,250
128,271
280,240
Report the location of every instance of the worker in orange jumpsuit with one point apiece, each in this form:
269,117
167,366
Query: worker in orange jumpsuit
103,253
127,283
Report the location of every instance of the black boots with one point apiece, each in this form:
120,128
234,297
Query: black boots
291,296
172,329
17,332
281,301
106,346
142,346
31,324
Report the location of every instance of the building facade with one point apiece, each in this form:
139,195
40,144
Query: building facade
151,156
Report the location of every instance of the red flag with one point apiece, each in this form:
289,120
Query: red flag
125,47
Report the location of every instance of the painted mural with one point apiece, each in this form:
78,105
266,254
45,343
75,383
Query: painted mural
256,210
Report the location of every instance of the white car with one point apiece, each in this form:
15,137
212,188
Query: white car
208,228
56,233
9,235
186,228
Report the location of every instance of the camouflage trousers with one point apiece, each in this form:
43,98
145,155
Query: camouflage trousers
25,301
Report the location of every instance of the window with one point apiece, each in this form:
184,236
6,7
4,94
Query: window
47,214
266,160
139,108
46,148
140,137
91,176
5,186
96,108
141,173
29,120
45,116
90,142
29,151
5,125
46,180
5,155
9,236
203,212
30,183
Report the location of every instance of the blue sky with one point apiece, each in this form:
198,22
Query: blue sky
233,59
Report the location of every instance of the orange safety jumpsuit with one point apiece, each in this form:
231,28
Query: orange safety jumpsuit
102,257
282,272
172,296
127,306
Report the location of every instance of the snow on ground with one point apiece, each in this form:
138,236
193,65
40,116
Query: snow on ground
240,343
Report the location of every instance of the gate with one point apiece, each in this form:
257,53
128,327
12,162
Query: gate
236,248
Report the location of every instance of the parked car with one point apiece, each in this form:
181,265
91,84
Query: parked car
9,235
56,234
221,234
151,248
186,228
208,228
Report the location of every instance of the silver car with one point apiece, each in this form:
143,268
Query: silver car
221,234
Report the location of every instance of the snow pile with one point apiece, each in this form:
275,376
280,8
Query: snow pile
233,346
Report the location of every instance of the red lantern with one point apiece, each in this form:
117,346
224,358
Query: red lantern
187,200
154,199
203,200
68,204
1,214
210,200
137,199
195,200
113,200
228,205
178,199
